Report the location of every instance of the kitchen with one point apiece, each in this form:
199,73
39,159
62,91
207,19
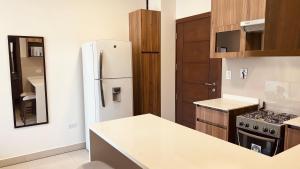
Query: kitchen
272,80
264,125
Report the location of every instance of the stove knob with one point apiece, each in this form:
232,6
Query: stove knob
247,125
255,127
272,131
266,130
242,123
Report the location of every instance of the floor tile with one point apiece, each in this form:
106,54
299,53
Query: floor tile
70,160
80,157
19,166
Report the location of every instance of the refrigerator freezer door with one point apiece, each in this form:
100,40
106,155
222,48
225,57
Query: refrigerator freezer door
116,59
113,109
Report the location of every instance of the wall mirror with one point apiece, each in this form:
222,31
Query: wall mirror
28,80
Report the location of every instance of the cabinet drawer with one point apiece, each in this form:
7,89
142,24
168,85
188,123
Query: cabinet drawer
292,137
218,118
214,131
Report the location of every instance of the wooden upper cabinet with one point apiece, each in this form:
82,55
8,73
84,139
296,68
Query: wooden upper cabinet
281,36
282,25
227,12
232,12
255,9
150,31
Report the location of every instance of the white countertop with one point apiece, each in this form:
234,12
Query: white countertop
155,143
225,104
36,81
293,122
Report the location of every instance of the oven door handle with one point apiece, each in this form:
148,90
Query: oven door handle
257,137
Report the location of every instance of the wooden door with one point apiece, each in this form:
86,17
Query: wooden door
195,71
150,83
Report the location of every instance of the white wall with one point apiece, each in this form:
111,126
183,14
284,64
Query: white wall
65,25
185,8
275,80
168,58
155,4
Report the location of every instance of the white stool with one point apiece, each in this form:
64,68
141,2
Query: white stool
95,165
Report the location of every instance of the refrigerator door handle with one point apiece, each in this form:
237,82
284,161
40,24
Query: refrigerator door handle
101,81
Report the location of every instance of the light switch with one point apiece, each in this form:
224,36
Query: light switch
228,75
243,73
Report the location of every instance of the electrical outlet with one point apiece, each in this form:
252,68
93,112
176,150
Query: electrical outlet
228,75
72,125
243,73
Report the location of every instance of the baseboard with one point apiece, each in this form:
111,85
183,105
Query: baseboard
42,154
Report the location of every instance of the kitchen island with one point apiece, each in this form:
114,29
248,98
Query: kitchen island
148,141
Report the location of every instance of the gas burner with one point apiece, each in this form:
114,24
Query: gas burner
270,116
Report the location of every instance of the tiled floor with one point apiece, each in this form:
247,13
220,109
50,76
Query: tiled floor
64,161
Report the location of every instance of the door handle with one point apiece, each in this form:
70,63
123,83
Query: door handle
210,84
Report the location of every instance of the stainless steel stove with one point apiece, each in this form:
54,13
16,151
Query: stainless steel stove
262,131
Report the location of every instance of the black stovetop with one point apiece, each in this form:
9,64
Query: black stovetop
270,116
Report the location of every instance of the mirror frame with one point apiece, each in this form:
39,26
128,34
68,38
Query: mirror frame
45,77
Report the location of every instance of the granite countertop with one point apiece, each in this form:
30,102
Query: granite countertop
225,104
294,122
155,143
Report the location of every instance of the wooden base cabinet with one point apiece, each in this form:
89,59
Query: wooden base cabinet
212,122
212,130
218,123
292,137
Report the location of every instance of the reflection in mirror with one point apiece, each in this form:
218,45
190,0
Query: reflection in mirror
28,80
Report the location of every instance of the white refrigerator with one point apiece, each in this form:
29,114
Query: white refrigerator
107,80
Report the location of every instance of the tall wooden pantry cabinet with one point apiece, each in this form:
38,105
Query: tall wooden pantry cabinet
145,35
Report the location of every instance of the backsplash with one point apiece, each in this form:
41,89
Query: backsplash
275,80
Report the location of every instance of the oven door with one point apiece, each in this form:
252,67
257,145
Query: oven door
259,143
